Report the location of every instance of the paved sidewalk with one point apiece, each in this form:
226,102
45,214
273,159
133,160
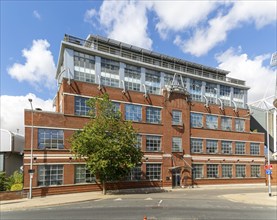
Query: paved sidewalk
21,204
250,198
253,198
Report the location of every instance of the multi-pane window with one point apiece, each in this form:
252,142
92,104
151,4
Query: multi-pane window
196,120
153,171
112,110
197,171
227,170
152,81
211,122
225,92
195,89
133,112
239,124
116,106
226,147
226,123
176,117
132,77
240,170
177,81
50,138
168,79
196,145
139,141
240,148
135,173
83,175
109,72
238,96
255,171
254,148
211,146
49,175
81,107
153,143
210,92
176,144
153,115
84,67
212,170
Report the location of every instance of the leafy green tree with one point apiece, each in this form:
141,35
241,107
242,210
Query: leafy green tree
107,143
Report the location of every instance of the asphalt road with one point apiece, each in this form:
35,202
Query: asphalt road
181,204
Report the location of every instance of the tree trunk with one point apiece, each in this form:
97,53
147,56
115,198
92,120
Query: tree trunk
104,187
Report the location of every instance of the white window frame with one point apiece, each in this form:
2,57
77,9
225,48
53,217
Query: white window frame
196,120
153,115
153,143
177,117
153,171
196,145
176,144
133,112
55,177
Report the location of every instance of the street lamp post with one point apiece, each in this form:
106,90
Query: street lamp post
31,171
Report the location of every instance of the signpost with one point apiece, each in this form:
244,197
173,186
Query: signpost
268,167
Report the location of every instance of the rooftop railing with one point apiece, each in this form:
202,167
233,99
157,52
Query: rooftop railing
136,54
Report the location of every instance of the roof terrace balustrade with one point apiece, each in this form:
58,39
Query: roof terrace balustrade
152,58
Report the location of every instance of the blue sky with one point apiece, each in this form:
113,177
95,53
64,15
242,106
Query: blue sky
237,36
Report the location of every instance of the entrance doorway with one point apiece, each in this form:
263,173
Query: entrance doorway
176,178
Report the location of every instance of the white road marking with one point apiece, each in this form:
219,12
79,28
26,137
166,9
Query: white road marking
118,199
148,198
160,202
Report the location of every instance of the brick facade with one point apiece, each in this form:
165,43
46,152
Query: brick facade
176,167
69,122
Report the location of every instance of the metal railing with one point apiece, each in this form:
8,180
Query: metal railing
156,61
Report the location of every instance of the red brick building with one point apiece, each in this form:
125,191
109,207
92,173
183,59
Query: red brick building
192,120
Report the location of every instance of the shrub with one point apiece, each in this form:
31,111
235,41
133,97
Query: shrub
17,187
15,178
3,181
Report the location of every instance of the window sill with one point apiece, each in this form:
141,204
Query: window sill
178,125
84,183
148,151
51,149
151,123
197,127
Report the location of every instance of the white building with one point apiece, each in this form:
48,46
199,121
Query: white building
11,151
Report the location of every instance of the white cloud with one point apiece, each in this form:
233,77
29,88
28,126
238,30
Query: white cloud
260,13
256,72
180,15
36,14
12,110
126,21
39,68
198,26
89,16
